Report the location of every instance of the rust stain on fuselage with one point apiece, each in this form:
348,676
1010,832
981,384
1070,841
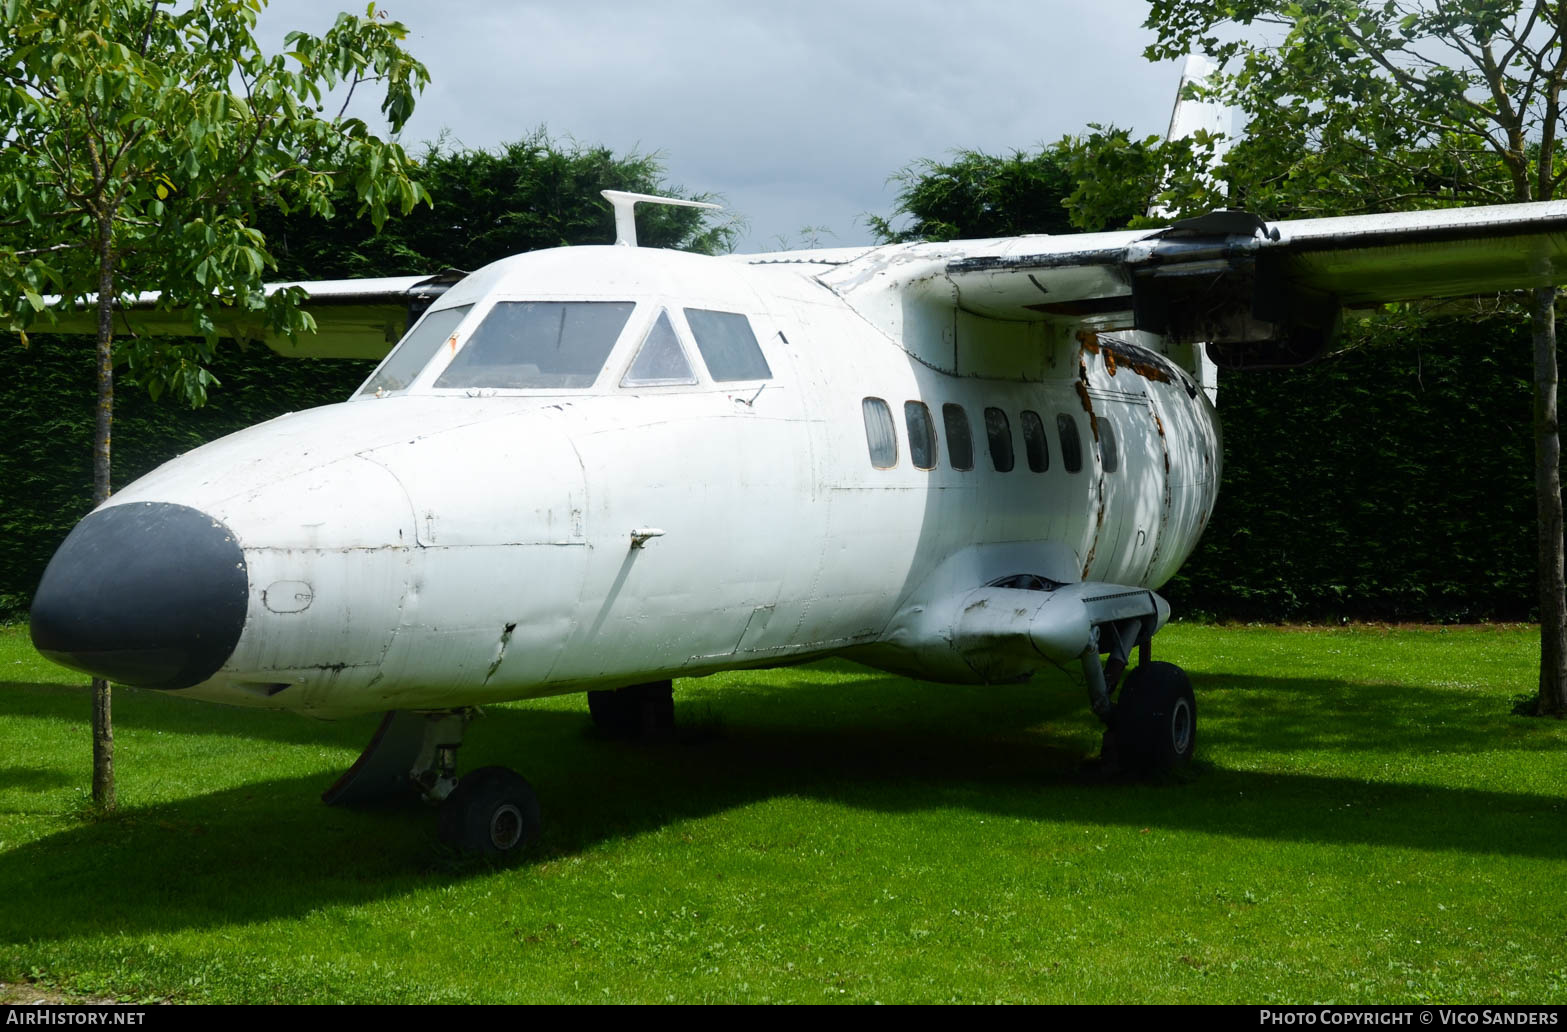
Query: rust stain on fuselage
1118,355
1090,343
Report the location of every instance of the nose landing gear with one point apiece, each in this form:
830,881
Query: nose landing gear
491,811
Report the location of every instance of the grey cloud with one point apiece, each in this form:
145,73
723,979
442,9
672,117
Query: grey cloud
796,112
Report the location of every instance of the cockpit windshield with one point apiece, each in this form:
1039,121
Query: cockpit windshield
538,344
413,354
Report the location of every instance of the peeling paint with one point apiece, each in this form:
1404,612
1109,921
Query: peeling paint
1081,386
500,653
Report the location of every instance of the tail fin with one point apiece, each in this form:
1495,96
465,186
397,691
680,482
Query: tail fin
1186,119
1190,116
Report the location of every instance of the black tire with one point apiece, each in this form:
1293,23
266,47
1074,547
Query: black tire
1156,718
613,713
492,812
635,711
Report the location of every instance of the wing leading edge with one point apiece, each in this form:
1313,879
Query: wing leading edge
359,318
1258,293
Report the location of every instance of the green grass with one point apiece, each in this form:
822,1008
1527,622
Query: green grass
1367,822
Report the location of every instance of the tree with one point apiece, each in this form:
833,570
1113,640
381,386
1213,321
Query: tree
138,141
1404,104
977,195
529,194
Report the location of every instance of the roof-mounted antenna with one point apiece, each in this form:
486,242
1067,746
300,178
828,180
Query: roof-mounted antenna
625,211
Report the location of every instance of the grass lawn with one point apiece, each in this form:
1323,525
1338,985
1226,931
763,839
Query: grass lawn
1366,822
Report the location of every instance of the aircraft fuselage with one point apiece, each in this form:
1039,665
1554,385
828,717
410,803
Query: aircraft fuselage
433,548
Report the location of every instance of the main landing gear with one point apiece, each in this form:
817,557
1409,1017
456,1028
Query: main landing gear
1152,726
645,711
490,812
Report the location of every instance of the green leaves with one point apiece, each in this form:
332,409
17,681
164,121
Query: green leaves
1358,105
983,195
142,137
472,207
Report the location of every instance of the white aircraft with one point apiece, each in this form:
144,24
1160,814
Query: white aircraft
599,468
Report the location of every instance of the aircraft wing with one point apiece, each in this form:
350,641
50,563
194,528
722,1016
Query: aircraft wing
1231,279
359,318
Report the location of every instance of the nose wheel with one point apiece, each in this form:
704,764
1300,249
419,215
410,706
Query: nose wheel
492,812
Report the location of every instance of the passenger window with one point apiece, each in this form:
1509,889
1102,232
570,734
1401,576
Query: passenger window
410,357
661,360
922,434
960,443
880,435
728,346
999,429
1071,446
1107,450
1034,442
539,344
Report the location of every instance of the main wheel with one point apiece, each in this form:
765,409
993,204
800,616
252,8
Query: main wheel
1156,718
492,812
614,713
635,711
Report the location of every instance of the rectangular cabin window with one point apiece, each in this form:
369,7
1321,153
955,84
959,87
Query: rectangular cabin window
922,434
523,344
999,429
1071,445
418,346
727,345
1108,453
1035,442
660,360
881,436
960,442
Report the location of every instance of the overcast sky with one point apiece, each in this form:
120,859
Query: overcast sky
795,112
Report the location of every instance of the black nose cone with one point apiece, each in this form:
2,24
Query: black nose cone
150,594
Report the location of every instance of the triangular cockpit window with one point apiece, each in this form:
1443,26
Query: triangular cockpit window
661,360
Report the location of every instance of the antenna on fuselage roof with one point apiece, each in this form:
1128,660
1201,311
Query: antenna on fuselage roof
625,211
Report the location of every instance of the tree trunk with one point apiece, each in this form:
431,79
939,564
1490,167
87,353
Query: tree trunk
102,726
1552,697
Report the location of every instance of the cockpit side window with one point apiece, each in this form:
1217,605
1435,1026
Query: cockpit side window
523,344
414,352
661,360
728,346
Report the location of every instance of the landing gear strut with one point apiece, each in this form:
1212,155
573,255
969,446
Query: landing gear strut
491,811
1152,725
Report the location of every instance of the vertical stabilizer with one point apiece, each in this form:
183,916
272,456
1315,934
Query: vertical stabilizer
1187,118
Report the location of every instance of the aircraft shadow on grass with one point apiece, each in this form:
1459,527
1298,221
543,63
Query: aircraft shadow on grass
269,848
